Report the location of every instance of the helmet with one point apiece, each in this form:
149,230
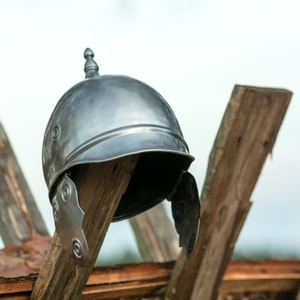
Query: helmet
107,117
111,116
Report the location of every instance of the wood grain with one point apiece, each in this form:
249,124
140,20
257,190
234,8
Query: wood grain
155,235
20,218
100,188
245,138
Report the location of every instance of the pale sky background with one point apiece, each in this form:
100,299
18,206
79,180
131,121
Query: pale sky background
193,52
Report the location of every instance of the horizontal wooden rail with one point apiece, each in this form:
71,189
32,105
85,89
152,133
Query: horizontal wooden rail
261,276
149,279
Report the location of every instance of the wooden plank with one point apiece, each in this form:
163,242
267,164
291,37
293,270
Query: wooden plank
20,218
155,235
245,138
104,283
18,285
261,276
150,279
138,281
100,188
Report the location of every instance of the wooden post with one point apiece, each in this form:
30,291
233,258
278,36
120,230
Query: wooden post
20,218
155,235
100,188
245,138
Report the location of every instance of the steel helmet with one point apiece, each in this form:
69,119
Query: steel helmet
107,117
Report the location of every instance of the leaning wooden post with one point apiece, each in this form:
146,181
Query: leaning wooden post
20,218
155,235
100,188
245,138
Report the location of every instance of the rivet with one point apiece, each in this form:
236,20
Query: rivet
55,132
55,208
77,248
65,192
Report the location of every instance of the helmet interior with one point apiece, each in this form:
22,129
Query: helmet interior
154,178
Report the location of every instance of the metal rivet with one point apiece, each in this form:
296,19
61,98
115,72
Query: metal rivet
77,248
55,207
55,132
65,192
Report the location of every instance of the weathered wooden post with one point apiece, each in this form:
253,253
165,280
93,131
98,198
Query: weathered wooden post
60,276
245,138
155,235
20,218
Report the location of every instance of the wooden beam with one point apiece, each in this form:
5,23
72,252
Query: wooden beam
100,188
149,280
155,235
127,281
245,138
260,276
20,218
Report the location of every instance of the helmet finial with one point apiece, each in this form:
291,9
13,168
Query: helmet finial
90,68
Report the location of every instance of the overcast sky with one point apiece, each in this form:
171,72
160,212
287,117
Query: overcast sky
192,52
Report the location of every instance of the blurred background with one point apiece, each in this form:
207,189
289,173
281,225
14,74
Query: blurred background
193,52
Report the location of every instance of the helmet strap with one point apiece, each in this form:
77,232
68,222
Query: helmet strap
186,211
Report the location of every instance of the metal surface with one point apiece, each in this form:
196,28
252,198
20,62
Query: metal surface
68,217
90,68
186,212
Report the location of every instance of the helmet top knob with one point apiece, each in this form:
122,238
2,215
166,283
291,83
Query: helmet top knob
90,68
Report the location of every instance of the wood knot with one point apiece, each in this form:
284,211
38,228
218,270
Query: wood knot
265,143
238,141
